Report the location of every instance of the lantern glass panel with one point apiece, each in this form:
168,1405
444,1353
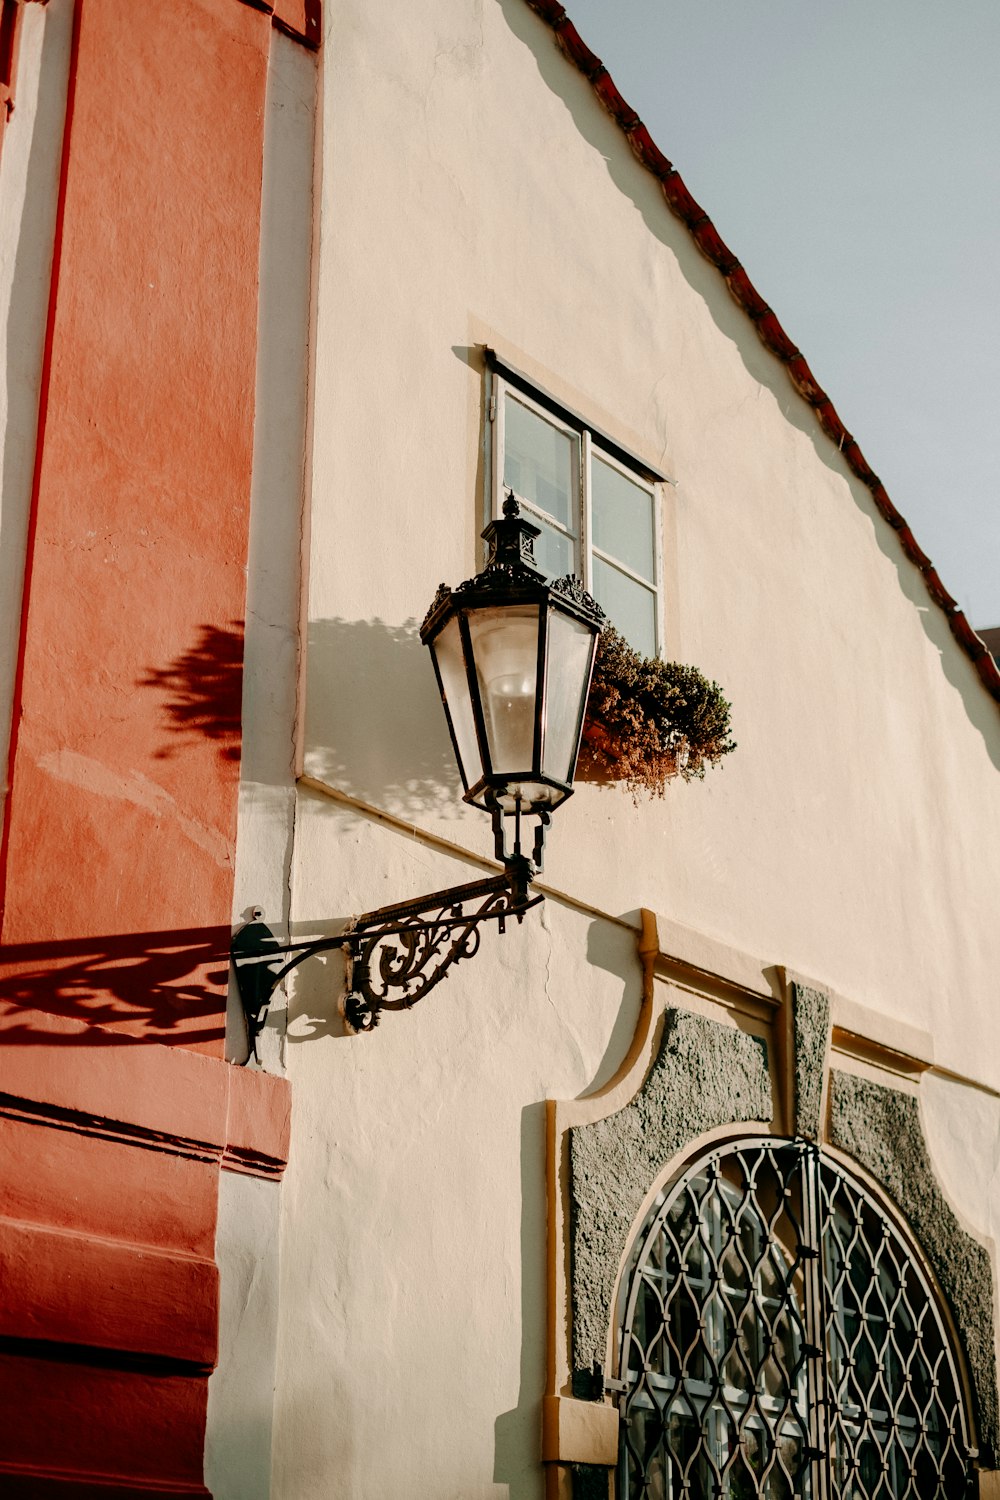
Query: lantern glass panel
570,650
450,658
505,650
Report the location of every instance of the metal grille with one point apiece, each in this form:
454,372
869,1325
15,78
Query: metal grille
897,1429
778,1340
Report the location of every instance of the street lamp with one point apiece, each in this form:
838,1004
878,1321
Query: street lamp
513,652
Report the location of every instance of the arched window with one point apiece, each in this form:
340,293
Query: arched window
778,1339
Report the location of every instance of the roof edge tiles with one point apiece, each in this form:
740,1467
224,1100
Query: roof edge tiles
765,320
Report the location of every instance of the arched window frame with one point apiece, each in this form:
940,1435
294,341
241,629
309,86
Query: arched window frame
728,1045
835,1444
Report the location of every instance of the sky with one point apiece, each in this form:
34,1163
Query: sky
848,152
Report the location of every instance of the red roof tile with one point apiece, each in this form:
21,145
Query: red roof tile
769,329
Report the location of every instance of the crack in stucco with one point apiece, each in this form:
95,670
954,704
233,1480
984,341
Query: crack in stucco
568,1030
544,922
248,1288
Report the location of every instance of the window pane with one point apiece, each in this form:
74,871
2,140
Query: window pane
622,517
553,550
631,608
538,462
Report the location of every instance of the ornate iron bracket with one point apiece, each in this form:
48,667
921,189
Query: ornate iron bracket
397,954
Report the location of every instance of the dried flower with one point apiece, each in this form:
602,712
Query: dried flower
650,720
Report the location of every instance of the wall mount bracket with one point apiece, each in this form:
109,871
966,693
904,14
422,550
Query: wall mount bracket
396,954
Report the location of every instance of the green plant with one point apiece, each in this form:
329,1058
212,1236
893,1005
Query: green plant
650,720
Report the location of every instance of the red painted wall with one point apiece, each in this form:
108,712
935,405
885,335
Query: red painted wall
122,813
117,858
110,1154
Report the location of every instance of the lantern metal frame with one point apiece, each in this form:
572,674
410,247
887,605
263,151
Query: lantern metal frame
512,578
396,954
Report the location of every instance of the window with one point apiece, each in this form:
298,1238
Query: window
598,509
778,1339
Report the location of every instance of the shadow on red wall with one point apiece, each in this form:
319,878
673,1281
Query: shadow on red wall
165,987
203,688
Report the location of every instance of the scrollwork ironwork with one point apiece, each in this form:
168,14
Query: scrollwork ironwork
441,597
395,955
572,589
394,965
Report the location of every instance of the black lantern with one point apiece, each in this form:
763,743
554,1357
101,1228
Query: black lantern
514,651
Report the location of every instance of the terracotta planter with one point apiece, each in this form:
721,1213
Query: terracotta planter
602,761
599,756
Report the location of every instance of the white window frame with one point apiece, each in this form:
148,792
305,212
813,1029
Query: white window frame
591,443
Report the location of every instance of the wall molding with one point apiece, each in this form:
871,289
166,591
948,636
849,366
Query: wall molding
19,1483
89,1081
71,1288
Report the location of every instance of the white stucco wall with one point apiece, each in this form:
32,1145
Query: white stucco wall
413,1313
277,521
474,193
29,184
241,1389
473,190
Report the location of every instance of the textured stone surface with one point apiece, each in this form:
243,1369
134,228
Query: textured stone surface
705,1075
881,1129
811,1012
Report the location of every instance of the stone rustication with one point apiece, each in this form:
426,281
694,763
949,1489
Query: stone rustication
811,1014
705,1075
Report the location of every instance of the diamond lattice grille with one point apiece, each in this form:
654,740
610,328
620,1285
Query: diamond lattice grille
779,1340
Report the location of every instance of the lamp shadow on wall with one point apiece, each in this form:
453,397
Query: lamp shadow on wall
163,986
516,1433
314,1000
166,987
374,728
374,724
381,738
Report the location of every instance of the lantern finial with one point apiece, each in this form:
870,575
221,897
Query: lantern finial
511,541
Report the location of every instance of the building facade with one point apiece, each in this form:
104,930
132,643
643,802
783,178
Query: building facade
683,1186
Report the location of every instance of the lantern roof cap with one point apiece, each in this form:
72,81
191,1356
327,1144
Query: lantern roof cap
512,574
